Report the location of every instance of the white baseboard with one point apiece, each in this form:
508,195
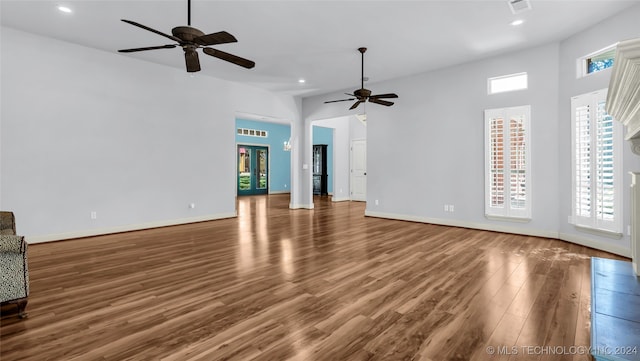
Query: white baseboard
300,206
279,192
340,199
583,241
125,228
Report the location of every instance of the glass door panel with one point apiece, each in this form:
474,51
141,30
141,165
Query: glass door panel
244,169
262,168
253,170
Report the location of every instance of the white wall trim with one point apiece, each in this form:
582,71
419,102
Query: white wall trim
580,240
280,192
340,199
300,206
584,241
125,228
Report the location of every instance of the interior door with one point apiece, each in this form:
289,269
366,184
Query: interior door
253,170
359,170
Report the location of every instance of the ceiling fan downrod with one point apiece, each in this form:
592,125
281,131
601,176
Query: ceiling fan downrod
188,12
362,50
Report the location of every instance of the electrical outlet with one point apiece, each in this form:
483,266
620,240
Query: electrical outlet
192,205
446,208
451,209
94,215
377,203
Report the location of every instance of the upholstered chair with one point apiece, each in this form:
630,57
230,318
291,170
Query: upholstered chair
7,223
14,272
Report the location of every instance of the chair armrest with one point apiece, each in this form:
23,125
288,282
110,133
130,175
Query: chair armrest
11,243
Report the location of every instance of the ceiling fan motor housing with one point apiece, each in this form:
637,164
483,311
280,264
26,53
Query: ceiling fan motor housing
362,93
186,33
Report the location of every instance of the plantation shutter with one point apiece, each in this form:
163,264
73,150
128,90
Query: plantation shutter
583,189
518,162
605,197
596,179
496,163
507,162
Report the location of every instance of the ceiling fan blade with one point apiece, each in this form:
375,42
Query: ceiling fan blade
355,105
192,61
230,58
221,37
387,95
341,100
152,30
380,101
169,46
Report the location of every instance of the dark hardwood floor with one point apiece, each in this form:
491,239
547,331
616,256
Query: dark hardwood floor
327,284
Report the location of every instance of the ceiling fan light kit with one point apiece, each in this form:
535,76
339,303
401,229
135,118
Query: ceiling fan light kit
362,95
191,39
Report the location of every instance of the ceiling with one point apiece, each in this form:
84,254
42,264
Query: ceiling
314,40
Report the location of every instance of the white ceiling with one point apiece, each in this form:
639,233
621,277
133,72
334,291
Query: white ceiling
315,40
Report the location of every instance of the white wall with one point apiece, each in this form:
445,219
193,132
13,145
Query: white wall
346,129
427,150
620,27
86,130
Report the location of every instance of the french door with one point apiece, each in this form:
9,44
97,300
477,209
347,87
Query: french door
253,170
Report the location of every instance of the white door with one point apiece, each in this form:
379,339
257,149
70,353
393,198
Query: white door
359,170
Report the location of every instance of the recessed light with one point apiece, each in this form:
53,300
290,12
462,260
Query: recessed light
301,81
64,9
517,22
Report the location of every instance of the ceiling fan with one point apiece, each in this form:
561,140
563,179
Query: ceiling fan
362,94
191,39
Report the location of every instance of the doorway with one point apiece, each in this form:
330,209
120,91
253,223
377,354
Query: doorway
359,170
253,170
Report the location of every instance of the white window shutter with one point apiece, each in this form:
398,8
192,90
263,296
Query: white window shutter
596,164
507,162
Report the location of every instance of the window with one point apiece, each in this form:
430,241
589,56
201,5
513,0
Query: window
253,132
507,162
596,164
506,83
595,62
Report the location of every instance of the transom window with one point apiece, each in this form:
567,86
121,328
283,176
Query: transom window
253,132
507,83
597,61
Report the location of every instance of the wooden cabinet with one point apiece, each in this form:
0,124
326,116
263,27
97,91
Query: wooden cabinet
320,169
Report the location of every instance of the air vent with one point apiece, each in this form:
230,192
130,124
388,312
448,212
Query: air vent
518,6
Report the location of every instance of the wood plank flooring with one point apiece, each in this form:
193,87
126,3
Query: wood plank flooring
280,284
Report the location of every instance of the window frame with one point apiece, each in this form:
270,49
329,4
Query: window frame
502,77
582,64
593,221
507,211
